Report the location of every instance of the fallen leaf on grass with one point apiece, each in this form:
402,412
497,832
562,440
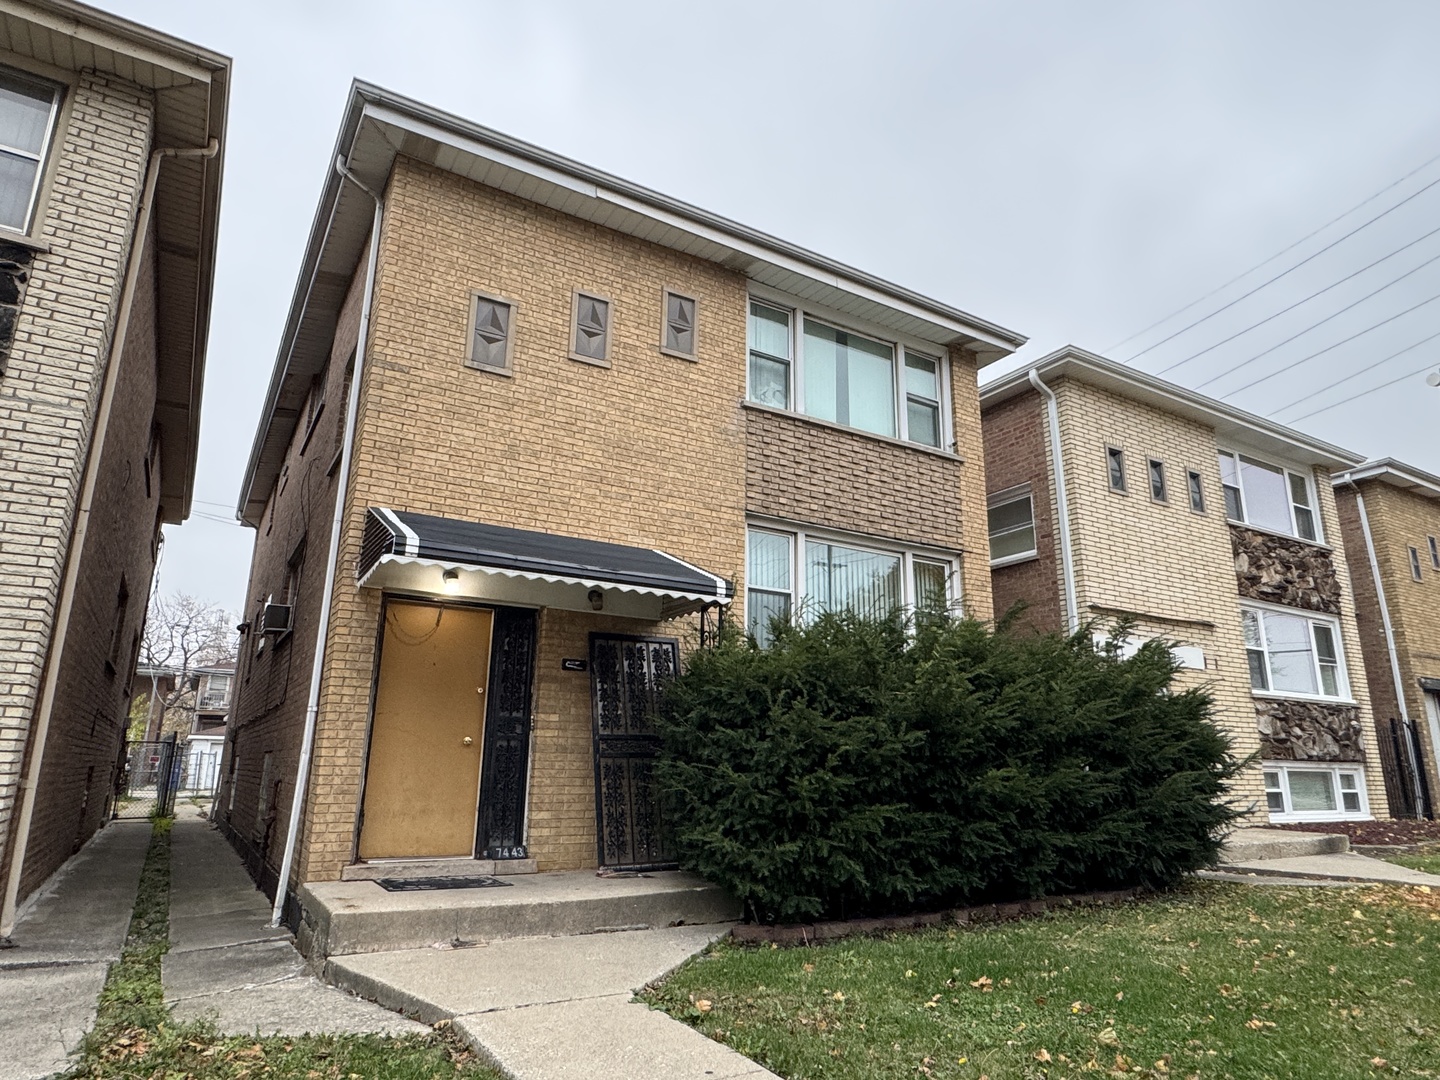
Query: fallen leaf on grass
703,1005
984,984
1042,1055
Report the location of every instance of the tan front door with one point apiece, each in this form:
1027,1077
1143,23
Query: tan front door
423,776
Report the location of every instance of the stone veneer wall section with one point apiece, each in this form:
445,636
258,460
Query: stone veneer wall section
1017,452
1399,520
48,396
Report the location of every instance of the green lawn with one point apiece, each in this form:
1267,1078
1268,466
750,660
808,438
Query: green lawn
1215,981
135,1037
1429,862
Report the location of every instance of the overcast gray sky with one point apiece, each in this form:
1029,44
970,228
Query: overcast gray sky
1073,171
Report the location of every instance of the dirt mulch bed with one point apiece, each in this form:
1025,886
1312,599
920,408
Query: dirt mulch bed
1375,833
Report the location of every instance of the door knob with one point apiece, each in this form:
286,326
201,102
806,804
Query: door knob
466,741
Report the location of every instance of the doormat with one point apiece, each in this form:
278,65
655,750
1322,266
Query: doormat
428,884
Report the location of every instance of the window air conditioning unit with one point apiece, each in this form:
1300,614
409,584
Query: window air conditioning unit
276,618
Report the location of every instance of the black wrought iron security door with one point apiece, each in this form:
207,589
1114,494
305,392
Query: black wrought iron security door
626,676
505,761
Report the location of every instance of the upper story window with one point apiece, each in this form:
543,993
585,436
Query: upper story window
491,339
1115,466
1434,553
809,365
590,334
1158,491
791,572
1012,527
27,119
1197,491
216,694
677,334
1294,654
1415,564
1257,493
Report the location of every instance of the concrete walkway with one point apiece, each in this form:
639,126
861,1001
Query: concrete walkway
226,963
555,1008
65,940
1338,867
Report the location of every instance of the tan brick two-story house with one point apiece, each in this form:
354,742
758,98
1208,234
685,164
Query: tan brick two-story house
562,424
110,141
1114,494
1390,515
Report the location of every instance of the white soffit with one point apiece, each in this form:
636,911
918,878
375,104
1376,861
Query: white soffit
1396,474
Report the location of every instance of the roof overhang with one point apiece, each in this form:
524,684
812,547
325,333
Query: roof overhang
1396,474
379,126
192,88
1231,425
417,553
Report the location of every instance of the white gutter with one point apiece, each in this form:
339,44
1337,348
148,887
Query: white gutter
1389,629
1062,504
65,608
317,668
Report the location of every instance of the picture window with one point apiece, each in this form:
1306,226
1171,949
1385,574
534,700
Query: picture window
28,107
1293,655
1313,793
1268,496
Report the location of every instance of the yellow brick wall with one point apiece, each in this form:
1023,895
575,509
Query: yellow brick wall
1400,520
1161,561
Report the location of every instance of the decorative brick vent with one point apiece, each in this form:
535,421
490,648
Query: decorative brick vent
1280,570
14,275
1308,731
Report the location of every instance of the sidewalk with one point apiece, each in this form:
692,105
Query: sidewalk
225,961
1339,867
64,944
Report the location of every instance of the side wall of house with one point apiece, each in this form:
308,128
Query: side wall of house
1167,566
1017,455
49,390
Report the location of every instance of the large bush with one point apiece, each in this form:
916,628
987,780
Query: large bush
856,768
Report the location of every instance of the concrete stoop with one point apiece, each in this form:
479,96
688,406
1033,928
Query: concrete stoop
347,917
1253,845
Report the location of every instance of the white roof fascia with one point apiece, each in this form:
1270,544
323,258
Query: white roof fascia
1395,473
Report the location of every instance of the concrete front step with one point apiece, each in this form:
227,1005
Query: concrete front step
344,917
410,869
1253,845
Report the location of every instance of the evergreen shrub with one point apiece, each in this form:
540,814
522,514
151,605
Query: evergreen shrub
855,767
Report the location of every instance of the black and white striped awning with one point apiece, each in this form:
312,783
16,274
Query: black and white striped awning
403,551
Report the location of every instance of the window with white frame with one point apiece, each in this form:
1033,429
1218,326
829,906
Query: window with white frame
808,363
1314,792
1268,496
1294,653
1012,527
27,121
793,571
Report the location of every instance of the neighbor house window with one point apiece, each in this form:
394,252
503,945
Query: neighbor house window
1157,481
1012,527
1293,654
1197,491
1414,564
1295,792
678,331
491,332
798,572
1268,496
217,692
27,119
858,380
1115,463
590,334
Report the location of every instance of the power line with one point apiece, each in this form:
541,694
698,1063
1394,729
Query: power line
1328,348
1272,258
1363,393
1270,281
1298,303
1356,375
1333,315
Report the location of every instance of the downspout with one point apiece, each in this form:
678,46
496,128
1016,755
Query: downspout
66,603
312,707
1062,504
1395,675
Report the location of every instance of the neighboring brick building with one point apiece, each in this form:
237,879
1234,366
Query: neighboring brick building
1390,515
1209,527
582,408
106,257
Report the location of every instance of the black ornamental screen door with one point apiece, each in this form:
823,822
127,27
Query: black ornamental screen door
626,676
504,764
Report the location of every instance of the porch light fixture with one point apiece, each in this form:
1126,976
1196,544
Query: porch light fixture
450,581
596,598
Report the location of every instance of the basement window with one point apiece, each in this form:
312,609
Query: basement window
1312,792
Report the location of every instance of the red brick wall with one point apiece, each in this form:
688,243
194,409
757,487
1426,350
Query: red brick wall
87,724
1015,454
